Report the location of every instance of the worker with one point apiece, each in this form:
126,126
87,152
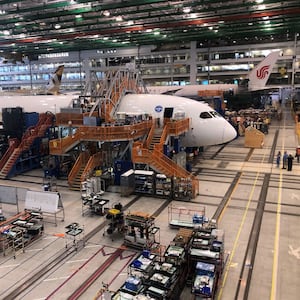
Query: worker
284,160
278,159
290,162
297,154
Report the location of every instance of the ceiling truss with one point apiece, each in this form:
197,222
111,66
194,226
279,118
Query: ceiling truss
33,27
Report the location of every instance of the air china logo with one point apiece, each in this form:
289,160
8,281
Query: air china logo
262,72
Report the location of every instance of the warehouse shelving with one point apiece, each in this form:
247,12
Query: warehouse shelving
20,230
144,182
140,231
163,185
182,188
206,260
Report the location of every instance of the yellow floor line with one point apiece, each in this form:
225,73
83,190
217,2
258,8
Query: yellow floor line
240,227
276,242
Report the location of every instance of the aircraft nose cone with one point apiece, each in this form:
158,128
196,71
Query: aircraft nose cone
229,133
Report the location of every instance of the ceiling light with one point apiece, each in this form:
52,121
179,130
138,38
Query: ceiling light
259,1
130,23
106,13
156,33
78,16
210,28
57,26
119,18
186,10
261,7
6,32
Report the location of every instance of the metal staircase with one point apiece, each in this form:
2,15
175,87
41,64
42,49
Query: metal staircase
74,177
76,182
16,149
155,138
83,169
151,152
114,85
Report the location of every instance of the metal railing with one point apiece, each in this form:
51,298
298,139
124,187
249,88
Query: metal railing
99,133
94,161
81,160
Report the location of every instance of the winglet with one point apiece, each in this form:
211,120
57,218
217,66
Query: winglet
53,85
259,76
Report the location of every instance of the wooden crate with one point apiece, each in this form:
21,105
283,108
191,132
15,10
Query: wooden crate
254,138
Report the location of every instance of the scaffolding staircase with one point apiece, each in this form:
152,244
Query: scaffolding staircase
151,152
84,168
155,140
75,183
74,177
16,149
115,84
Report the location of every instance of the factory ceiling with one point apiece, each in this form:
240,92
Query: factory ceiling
32,27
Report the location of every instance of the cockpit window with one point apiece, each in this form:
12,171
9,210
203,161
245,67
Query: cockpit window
215,114
205,115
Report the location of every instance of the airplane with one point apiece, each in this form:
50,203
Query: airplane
207,127
260,74
53,85
191,91
47,100
257,79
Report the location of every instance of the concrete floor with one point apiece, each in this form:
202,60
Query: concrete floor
276,271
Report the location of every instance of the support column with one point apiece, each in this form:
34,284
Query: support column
193,63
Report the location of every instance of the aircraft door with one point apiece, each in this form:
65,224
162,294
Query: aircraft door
168,112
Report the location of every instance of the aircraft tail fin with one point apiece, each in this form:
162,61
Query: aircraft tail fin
53,86
259,76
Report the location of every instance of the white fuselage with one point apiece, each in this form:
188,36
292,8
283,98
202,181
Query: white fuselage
207,127
36,103
192,90
212,129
